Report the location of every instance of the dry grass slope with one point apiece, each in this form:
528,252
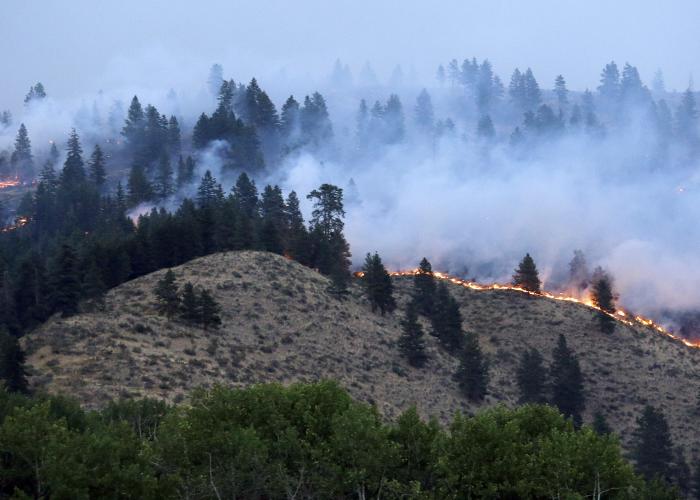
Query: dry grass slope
280,324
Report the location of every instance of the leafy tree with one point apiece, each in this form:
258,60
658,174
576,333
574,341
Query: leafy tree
98,173
653,447
65,284
473,372
411,343
531,377
12,373
567,382
424,288
168,299
377,284
209,310
526,275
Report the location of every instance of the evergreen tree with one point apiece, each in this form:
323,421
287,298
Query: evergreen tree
653,449
531,377
686,117
164,178
289,119
245,194
332,250
609,87
185,171
174,139
209,192
603,298
73,173
446,319
65,285
411,343
393,120
338,287
12,373
424,111
98,173
209,311
516,90
22,159
297,236
473,372
168,299
567,382
189,304
216,78
578,271
561,92
485,129
93,287
378,285
526,275
681,472
600,424
138,186
532,95
134,127
424,288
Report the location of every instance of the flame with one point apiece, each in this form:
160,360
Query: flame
619,315
19,222
8,183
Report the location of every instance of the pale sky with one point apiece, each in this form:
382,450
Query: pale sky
80,46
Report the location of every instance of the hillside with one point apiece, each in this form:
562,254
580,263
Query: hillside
280,324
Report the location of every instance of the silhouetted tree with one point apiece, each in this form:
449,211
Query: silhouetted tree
473,372
653,448
98,173
411,343
526,275
446,319
167,297
209,311
22,160
189,304
12,373
65,284
567,382
377,284
424,288
531,377
603,297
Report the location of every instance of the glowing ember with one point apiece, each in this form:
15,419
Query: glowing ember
619,315
19,222
8,183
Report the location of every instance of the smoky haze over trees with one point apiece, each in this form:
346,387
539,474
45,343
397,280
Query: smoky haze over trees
599,156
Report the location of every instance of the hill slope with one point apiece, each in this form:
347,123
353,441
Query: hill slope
280,324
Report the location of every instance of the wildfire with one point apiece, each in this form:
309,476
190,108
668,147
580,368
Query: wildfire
19,222
8,183
620,315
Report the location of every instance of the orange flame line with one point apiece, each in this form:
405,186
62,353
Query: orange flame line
619,315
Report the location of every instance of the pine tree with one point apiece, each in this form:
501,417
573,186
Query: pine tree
134,126
164,178
216,78
185,171
73,173
65,285
473,372
93,287
686,117
12,374
138,186
22,159
653,449
189,304
424,111
446,319
209,311
603,298
600,424
531,377
332,250
424,288
567,382
289,119
485,129
526,275
561,92
174,139
377,284
297,235
98,174
609,87
338,287
168,299
411,343
209,192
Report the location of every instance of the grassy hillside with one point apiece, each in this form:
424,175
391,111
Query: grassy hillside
280,324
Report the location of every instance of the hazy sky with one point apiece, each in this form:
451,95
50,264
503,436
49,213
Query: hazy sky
77,46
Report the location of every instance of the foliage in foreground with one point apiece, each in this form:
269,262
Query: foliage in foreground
304,441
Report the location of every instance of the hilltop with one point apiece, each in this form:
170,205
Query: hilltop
281,324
